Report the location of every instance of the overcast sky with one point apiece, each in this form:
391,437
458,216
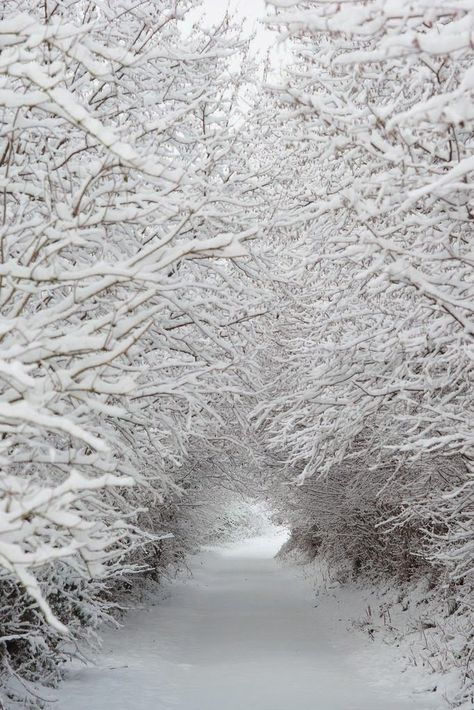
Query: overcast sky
251,11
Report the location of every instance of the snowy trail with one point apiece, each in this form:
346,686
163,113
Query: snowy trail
243,634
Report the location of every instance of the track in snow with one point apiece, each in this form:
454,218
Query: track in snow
242,634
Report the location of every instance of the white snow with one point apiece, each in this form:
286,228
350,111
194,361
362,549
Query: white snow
243,633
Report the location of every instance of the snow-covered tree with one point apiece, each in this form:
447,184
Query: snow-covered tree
124,185
372,351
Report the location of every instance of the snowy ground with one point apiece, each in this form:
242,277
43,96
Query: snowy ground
243,634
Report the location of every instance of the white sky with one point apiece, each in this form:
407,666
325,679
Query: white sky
250,11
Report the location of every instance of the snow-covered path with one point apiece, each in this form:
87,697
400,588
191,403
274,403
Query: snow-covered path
243,634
